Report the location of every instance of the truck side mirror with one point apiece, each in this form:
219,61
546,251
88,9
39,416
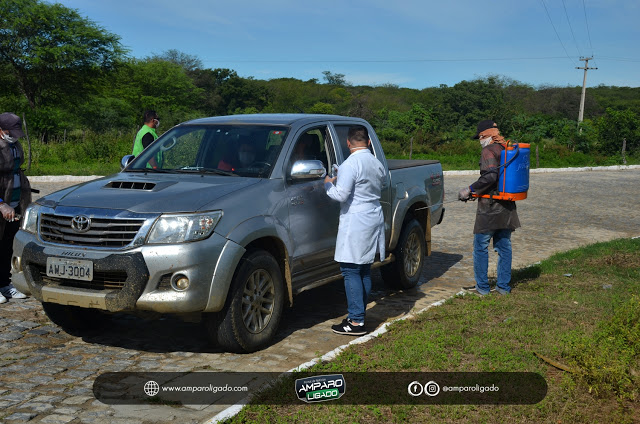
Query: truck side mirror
307,170
126,159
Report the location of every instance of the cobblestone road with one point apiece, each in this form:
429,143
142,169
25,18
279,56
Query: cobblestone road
46,375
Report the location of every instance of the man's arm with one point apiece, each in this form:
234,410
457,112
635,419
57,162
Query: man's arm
147,139
489,166
344,185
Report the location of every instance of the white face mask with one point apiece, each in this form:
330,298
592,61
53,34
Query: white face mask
9,139
484,142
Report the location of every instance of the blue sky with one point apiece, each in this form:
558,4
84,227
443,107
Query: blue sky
410,43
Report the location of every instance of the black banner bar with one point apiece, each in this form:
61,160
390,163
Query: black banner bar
366,388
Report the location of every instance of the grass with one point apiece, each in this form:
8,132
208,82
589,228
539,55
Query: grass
88,153
588,322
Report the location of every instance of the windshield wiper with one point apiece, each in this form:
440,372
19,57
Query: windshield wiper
202,170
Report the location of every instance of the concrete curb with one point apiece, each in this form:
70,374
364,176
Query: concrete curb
82,179
233,410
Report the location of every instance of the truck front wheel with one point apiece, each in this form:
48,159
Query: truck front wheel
404,272
255,305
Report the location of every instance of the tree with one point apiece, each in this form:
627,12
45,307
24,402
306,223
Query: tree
52,51
617,125
159,85
334,79
187,61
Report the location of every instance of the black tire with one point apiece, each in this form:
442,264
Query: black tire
254,308
72,319
404,272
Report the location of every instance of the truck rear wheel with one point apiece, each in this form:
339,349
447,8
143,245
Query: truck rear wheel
255,305
73,319
404,272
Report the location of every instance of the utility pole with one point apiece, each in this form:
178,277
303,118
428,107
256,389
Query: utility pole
584,88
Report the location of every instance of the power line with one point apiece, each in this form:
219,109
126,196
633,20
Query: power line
586,21
620,59
382,60
564,5
556,31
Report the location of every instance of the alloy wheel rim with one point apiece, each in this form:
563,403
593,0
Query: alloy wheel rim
258,301
412,254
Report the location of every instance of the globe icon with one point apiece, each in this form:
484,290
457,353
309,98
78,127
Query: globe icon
151,388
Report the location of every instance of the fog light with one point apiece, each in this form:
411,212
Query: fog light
16,264
181,282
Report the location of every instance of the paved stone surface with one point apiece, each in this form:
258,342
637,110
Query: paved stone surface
46,375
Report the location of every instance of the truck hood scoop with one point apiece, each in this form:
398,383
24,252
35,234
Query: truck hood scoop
131,185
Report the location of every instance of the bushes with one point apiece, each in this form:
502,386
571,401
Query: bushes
81,153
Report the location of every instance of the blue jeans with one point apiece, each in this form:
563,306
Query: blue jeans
502,245
357,286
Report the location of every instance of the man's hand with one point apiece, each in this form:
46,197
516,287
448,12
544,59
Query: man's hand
7,212
329,179
464,194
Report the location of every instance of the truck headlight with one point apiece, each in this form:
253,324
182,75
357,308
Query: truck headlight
181,228
30,219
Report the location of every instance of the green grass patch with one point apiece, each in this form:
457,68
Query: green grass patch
588,323
89,153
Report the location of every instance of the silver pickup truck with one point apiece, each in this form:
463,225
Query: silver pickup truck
225,218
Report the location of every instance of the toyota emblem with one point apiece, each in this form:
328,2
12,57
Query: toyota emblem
81,223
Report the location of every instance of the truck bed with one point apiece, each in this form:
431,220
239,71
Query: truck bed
406,163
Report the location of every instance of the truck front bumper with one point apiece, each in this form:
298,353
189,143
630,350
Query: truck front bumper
137,279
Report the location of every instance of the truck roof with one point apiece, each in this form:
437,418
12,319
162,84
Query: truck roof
271,118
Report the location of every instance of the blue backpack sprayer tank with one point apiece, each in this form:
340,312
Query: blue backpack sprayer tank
513,180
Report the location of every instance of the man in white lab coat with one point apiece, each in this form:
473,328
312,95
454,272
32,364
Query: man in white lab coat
361,230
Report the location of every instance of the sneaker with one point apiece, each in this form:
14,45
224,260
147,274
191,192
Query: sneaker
474,290
3,299
348,328
10,292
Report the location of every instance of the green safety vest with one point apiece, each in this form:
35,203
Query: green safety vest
137,144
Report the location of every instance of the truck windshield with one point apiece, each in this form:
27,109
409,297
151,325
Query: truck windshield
234,150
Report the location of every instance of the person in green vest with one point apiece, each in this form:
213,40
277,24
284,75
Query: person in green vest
146,136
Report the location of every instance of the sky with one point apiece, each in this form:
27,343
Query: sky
408,43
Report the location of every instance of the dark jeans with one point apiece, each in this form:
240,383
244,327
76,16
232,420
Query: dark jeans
6,251
357,286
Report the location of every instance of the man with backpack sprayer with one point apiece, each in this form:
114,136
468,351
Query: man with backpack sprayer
495,219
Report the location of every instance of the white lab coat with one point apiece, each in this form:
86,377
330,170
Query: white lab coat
361,228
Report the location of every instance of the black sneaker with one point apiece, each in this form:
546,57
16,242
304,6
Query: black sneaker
346,327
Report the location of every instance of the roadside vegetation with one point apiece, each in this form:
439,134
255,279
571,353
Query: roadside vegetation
579,310
90,153
82,97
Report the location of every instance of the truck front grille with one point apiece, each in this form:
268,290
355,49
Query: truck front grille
103,232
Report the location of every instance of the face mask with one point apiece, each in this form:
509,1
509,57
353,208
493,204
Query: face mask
246,157
8,138
157,122
484,142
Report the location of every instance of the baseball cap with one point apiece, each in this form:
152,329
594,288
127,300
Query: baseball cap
12,123
485,125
